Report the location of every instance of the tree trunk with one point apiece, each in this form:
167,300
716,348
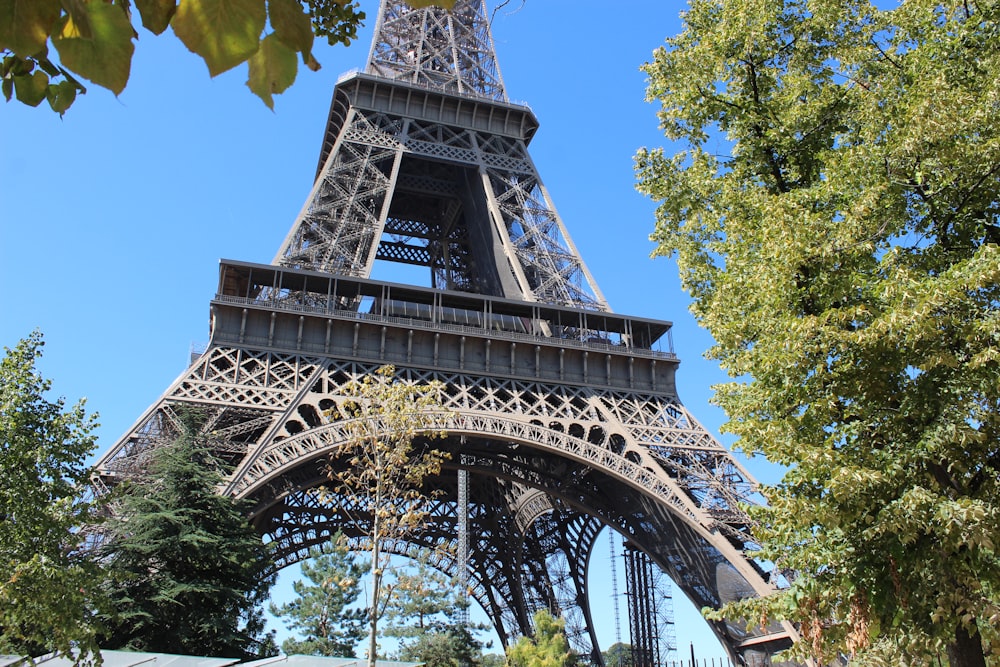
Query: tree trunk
373,612
966,650
376,591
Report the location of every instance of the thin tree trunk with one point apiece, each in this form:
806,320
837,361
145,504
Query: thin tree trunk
966,650
376,585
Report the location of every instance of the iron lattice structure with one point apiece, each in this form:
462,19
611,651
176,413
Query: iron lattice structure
651,621
562,415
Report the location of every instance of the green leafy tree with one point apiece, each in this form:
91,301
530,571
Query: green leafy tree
619,655
47,46
834,214
48,584
547,648
191,575
381,469
493,660
322,612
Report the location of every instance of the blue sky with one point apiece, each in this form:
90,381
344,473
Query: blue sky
113,218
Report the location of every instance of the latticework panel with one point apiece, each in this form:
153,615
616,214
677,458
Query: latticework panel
340,226
452,51
554,271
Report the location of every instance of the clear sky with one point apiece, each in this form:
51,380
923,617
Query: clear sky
113,218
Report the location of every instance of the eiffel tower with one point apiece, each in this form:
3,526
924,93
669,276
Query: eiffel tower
563,415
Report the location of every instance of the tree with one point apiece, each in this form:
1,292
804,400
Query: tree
382,466
842,248
453,647
619,655
547,648
493,660
48,584
93,40
422,600
322,612
191,575
427,612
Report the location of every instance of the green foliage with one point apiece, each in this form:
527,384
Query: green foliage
453,647
190,573
547,648
842,248
48,585
382,466
321,612
425,611
493,660
421,599
618,655
93,40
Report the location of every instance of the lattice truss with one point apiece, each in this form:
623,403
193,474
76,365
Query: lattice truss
265,420
345,213
452,51
651,614
393,188
554,272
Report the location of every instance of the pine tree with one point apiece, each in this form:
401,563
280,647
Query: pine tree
191,574
444,648
321,614
427,611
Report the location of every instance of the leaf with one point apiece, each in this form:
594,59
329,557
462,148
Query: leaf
156,14
291,25
272,69
223,32
30,88
311,62
25,25
105,56
61,96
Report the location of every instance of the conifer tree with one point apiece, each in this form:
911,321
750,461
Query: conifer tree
427,611
322,611
191,575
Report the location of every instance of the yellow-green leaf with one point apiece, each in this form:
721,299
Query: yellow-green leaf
105,56
272,69
25,25
311,62
60,96
291,25
156,14
30,88
223,32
